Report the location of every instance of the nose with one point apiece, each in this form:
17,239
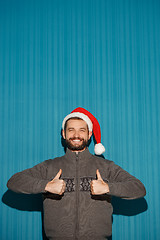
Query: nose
76,134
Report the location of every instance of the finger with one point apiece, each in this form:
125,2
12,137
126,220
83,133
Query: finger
91,187
64,186
63,189
92,183
58,174
98,175
92,191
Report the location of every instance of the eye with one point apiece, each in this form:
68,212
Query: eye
70,129
83,130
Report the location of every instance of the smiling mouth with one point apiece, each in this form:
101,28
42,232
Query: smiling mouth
76,140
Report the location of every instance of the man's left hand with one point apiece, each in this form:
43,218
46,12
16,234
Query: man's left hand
98,186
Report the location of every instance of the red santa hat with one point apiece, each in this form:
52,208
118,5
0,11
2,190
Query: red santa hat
93,125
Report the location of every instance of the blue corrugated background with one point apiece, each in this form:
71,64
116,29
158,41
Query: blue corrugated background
99,54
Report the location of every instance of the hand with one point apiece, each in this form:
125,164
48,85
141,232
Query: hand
56,186
98,186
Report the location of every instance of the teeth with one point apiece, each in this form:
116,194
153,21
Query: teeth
76,140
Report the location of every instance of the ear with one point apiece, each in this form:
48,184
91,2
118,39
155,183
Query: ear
63,134
90,134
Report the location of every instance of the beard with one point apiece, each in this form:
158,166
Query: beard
73,147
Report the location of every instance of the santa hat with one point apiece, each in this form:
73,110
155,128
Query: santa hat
93,125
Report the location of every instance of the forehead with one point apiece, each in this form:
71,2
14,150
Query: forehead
76,123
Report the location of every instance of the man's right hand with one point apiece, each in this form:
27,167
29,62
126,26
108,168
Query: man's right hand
56,186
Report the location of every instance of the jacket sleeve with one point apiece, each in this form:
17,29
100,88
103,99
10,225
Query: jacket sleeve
124,185
29,181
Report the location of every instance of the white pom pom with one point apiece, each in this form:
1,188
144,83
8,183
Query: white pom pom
99,149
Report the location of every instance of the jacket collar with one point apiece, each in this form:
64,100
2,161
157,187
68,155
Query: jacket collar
84,154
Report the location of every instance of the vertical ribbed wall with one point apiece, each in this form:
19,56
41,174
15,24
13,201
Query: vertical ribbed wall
99,54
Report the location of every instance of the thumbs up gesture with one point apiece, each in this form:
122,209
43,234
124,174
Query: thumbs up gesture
98,186
56,186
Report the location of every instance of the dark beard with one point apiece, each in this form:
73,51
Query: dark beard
70,146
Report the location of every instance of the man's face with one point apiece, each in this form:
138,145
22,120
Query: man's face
76,134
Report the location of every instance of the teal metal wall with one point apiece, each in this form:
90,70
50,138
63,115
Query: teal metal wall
99,54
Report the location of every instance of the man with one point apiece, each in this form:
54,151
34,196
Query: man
78,186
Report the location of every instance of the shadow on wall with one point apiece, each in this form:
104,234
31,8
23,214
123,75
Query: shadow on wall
129,207
25,202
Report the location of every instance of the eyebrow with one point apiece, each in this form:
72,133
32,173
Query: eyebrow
80,128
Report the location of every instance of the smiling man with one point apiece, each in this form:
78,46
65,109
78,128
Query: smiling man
78,186
76,134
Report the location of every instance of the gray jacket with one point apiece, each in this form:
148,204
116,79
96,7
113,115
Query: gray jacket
77,214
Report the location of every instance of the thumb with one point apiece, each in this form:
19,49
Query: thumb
58,174
99,175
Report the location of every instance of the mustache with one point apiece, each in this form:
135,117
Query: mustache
76,138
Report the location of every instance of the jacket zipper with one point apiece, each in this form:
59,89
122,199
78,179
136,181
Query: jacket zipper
77,197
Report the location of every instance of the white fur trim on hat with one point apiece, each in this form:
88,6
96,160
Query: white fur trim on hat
80,115
99,149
